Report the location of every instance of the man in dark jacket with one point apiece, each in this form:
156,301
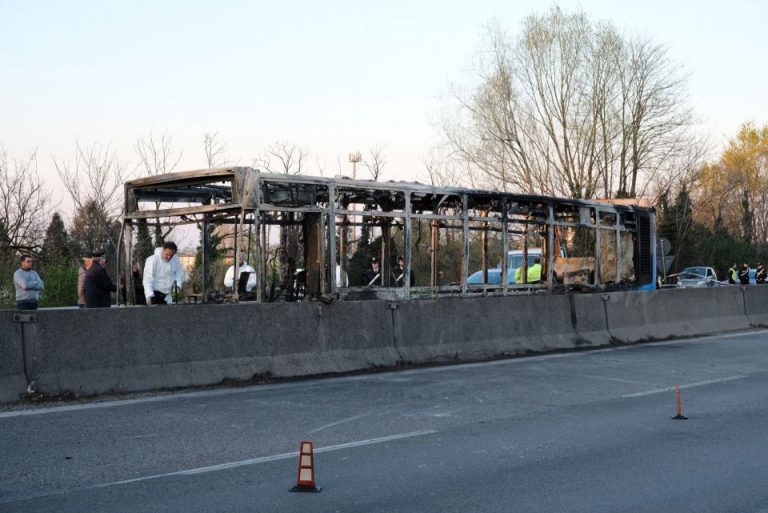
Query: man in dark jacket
760,274
744,274
98,285
398,273
373,275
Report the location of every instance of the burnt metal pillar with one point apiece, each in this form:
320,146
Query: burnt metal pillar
617,228
386,254
343,244
130,290
505,246
313,240
205,246
524,273
329,221
465,234
407,243
484,246
236,261
435,239
552,251
261,241
598,251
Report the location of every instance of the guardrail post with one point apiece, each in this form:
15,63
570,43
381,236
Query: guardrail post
28,328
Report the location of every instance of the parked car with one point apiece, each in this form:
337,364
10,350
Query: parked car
514,260
698,276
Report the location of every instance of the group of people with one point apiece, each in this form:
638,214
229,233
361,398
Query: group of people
741,275
373,275
162,271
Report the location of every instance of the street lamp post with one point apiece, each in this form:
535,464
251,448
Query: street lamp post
354,158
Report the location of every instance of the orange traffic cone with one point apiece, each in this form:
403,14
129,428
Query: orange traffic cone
306,480
679,415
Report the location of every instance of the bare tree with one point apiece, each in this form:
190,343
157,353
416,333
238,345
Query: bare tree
375,161
96,174
570,107
282,157
94,181
24,202
156,155
445,173
215,150
655,118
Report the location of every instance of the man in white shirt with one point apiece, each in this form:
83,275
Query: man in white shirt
161,271
229,276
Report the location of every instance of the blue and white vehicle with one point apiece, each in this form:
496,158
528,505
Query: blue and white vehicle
514,260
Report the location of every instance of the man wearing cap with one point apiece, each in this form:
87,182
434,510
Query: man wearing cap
98,284
373,275
398,273
162,271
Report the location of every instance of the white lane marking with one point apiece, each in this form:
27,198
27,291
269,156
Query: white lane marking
618,380
383,376
688,385
342,421
231,465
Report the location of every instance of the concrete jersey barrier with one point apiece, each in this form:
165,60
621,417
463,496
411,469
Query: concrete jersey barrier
133,349
138,348
459,329
756,304
12,379
663,314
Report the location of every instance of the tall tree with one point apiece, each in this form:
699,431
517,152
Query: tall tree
144,245
91,228
156,157
94,181
374,162
215,150
56,245
734,189
23,202
569,107
284,158
676,223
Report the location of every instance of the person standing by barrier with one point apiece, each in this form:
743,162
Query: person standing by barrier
744,274
760,274
28,285
98,285
82,270
138,287
732,274
373,275
229,276
162,271
398,273
534,273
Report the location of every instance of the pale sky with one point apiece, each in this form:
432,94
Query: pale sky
331,77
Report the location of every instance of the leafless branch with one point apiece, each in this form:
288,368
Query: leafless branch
24,202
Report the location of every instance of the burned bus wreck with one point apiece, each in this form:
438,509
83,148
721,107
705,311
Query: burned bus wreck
443,235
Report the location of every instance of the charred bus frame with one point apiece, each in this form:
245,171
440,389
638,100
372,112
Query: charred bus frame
584,244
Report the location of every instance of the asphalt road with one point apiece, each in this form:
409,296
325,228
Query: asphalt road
577,432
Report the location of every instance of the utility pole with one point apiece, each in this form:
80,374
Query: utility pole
354,158
346,243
